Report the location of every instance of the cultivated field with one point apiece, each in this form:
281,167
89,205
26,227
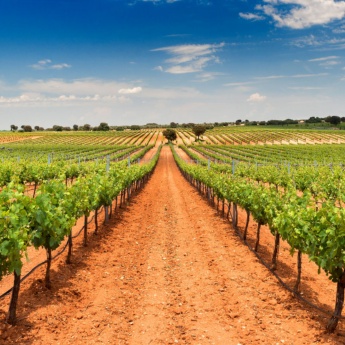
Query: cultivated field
210,242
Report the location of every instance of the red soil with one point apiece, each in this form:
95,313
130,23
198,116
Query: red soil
167,269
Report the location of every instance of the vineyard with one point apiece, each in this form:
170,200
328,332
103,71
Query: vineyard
279,198
260,136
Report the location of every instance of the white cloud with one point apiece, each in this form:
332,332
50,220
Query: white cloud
158,68
60,91
272,77
329,64
244,83
189,58
305,88
31,99
300,14
242,87
324,58
339,30
79,87
307,41
60,66
327,61
182,69
207,76
311,75
251,16
47,64
130,91
55,92
256,97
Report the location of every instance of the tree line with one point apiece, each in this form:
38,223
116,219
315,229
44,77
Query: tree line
103,126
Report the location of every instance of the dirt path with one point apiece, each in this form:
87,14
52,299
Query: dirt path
165,270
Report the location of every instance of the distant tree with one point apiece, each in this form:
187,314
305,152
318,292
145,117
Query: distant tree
170,134
199,130
27,128
135,128
188,125
67,128
314,119
173,124
75,127
275,122
152,125
87,127
334,120
342,119
57,128
14,128
120,129
103,126
290,122
238,122
37,128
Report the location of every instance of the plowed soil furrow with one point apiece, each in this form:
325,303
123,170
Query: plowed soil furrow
167,269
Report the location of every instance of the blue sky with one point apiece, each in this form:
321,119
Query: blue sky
132,62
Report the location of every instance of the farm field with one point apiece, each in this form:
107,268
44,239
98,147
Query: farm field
262,136
168,268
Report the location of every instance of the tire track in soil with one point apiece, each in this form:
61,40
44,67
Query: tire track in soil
166,270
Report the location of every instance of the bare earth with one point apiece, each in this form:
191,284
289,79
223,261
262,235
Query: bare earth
167,269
